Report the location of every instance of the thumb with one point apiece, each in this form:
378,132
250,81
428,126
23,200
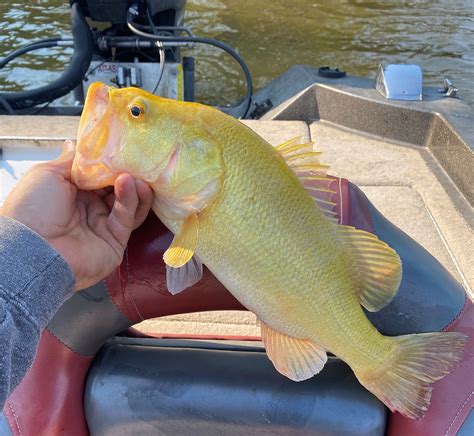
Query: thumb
121,220
63,163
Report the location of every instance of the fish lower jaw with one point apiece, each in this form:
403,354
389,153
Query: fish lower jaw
90,175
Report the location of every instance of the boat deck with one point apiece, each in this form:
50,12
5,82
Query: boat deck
405,182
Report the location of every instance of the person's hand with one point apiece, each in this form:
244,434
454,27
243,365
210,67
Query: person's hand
90,229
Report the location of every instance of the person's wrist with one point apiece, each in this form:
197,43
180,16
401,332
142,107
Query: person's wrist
33,272
19,218
14,215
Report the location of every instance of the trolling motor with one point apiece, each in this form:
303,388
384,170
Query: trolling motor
121,43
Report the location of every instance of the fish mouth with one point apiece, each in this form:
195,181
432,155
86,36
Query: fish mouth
90,169
95,108
87,175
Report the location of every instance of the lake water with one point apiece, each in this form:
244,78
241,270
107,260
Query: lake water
273,35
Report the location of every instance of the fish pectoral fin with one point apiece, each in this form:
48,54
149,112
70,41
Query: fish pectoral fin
184,243
178,279
297,359
377,266
304,162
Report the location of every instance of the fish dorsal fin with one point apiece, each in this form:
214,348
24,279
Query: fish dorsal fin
304,162
297,359
184,243
377,266
179,279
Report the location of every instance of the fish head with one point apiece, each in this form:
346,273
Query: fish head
121,130
164,142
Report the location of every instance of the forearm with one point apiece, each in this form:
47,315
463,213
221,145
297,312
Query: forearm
34,282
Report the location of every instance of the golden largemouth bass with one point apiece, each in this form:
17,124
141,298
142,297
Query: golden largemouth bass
260,219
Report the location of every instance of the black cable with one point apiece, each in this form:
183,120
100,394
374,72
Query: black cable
150,20
6,105
73,74
248,78
89,72
196,39
36,45
39,109
161,51
25,49
146,55
162,29
52,39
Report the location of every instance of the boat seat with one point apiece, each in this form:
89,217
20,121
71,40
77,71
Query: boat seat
150,386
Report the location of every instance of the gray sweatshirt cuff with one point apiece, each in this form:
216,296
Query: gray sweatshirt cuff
35,279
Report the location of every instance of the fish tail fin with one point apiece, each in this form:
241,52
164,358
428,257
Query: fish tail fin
416,361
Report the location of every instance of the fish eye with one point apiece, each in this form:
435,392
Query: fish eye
136,111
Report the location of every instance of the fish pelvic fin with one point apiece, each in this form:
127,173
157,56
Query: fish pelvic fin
184,244
297,359
377,267
179,279
304,162
404,382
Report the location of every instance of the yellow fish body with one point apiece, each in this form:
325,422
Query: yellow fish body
257,217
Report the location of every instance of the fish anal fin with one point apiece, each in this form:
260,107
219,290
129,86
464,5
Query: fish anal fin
184,243
304,162
297,359
377,267
179,279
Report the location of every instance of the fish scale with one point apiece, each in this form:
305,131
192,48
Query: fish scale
282,261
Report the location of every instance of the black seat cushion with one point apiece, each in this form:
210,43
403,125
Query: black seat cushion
150,387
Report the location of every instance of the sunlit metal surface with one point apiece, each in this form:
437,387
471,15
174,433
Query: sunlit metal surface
400,81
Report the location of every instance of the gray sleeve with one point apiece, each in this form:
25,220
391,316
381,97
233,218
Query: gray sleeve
34,281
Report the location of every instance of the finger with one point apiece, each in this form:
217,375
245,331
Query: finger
109,200
104,192
121,220
94,210
68,152
145,199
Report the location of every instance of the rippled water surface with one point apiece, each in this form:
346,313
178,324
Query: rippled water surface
273,35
